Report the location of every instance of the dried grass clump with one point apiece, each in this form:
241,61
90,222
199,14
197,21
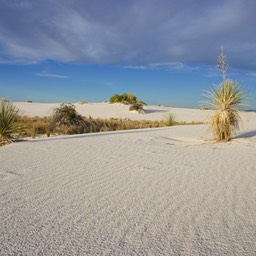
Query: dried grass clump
9,125
225,100
137,107
37,126
67,119
34,126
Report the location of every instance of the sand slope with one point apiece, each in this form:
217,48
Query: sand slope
117,110
160,191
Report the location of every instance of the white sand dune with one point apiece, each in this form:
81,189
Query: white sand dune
117,110
166,191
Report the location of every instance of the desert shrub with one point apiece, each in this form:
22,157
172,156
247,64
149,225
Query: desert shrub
115,98
170,120
66,114
225,100
125,98
67,118
9,125
131,98
138,107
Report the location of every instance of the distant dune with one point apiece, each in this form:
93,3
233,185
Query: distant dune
117,110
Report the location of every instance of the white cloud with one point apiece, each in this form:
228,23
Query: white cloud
46,74
171,66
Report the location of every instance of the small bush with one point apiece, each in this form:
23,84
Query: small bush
138,107
9,124
67,116
115,99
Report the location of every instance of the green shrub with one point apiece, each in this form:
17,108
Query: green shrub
115,99
9,125
131,98
125,98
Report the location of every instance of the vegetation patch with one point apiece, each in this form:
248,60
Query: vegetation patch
125,98
170,120
9,125
225,100
65,120
137,107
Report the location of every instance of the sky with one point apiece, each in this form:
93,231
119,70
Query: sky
163,51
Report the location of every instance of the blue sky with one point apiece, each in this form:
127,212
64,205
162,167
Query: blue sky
164,51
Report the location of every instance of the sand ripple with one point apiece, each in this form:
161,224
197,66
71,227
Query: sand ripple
135,193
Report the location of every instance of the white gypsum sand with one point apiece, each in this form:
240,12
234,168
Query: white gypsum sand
165,191
117,110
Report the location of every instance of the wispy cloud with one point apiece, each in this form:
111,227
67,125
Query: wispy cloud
136,33
171,66
136,67
46,74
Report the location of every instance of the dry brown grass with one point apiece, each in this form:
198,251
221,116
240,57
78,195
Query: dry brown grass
37,126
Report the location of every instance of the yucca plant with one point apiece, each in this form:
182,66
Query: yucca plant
8,122
170,120
225,100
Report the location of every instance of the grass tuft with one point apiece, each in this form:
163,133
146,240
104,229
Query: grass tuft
170,120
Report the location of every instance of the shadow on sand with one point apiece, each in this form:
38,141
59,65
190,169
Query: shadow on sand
150,111
97,134
247,134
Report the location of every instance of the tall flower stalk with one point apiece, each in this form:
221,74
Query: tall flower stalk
223,64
